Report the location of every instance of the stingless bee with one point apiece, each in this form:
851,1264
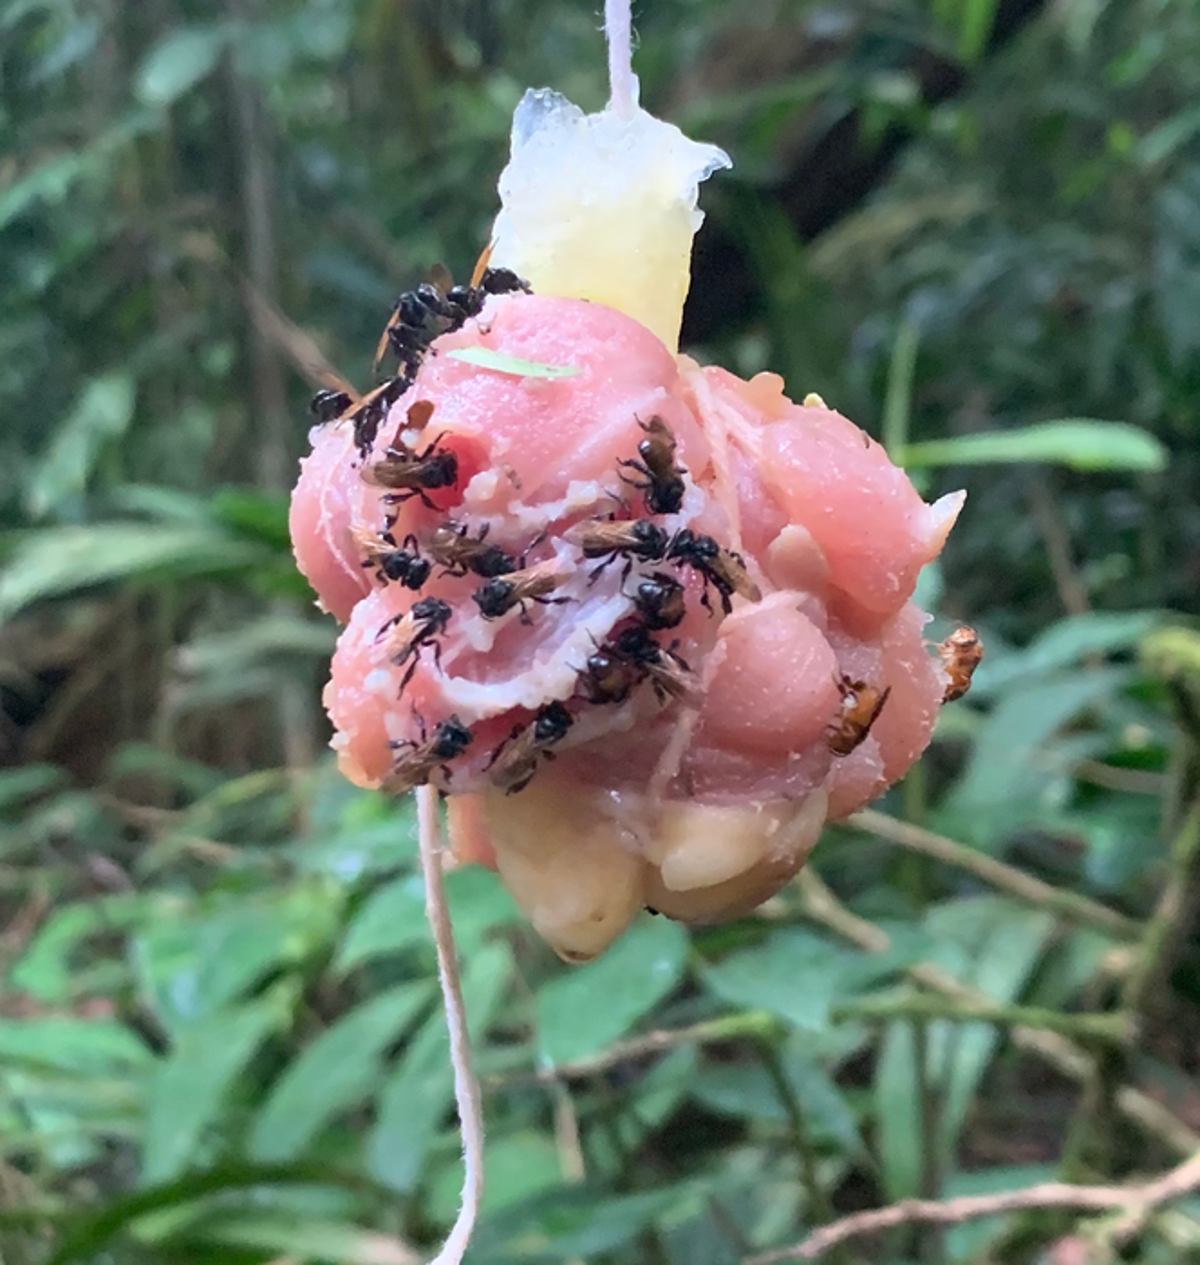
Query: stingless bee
329,403
498,596
422,315
861,705
368,413
516,760
722,568
961,654
608,677
635,540
660,601
662,480
411,474
669,675
399,564
453,548
420,627
420,759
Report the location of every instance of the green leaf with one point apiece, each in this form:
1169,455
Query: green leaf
897,1113
178,62
335,1072
52,562
187,1093
51,181
1080,443
419,1094
193,967
100,415
484,358
516,1166
299,1238
794,974
82,1046
393,919
584,1009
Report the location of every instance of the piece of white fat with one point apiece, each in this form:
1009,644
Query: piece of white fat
600,207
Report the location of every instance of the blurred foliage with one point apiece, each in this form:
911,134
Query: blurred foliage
219,1032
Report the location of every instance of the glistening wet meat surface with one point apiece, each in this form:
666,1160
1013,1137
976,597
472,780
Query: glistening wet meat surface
669,722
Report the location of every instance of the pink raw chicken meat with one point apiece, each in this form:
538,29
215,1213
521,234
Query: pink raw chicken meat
700,807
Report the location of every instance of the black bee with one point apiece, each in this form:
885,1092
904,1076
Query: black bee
450,739
722,568
660,601
515,761
420,627
414,473
861,705
662,481
500,595
368,413
424,314
636,539
328,403
669,674
401,564
453,548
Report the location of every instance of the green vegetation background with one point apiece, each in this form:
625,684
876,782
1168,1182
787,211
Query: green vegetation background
219,1035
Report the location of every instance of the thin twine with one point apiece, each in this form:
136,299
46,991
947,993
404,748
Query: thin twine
467,1097
618,27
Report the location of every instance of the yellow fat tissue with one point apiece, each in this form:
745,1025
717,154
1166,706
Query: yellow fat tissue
603,207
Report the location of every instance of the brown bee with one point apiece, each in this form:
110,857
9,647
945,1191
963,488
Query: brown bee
500,595
662,480
635,540
608,677
722,568
960,653
450,739
669,675
419,627
398,564
414,473
660,601
861,705
515,761
453,548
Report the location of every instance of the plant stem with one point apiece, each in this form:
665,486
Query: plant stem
1008,878
1113,1029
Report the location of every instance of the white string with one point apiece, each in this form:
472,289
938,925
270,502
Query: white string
618,27
466,1088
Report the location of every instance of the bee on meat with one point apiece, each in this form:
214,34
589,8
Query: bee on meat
722,568
401,564
960,653
420,759
327,404
660,601
635,540
500,595
453,548
670,675
608,677
409,633
424,314
368,413
516,760
412,474
861,705
662,480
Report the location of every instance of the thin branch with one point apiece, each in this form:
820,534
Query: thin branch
1067,1058
1111,1029
1134,1203
1006,877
